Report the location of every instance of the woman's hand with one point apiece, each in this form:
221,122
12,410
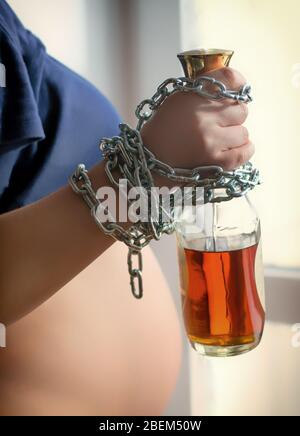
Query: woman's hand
189,130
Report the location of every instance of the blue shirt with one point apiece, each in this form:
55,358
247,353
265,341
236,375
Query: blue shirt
51,119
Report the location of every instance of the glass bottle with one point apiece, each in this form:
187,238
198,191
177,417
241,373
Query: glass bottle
220,261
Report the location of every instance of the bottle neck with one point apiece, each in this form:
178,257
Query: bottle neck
224,226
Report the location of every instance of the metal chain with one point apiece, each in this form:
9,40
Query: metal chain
204,86
135,159
136,163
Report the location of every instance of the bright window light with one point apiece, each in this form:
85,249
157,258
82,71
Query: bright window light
265,37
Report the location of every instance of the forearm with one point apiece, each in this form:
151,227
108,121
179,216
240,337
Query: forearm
44,245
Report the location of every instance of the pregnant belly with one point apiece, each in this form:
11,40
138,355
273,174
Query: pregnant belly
93,349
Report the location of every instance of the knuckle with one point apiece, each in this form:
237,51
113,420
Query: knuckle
240,158
244,111
233,77
236,157
215,157
225,162
251,150
205,132
244,154
245,134
207,141
229,74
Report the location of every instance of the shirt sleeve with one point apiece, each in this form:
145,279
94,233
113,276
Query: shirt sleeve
51,118
20,123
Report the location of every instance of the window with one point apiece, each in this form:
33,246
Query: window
265,37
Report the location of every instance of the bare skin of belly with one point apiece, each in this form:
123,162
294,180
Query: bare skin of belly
93,349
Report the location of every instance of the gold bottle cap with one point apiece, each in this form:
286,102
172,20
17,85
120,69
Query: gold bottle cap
200,61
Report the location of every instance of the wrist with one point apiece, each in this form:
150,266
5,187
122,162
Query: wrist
99,179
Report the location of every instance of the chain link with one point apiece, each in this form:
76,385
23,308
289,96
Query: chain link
204,86
135,273
136,163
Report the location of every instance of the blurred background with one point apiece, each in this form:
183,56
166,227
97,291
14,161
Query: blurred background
126,48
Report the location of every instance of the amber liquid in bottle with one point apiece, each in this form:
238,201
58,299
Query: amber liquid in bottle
220,300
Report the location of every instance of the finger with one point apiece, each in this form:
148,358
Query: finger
232,115
235,157
229,137
231,78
